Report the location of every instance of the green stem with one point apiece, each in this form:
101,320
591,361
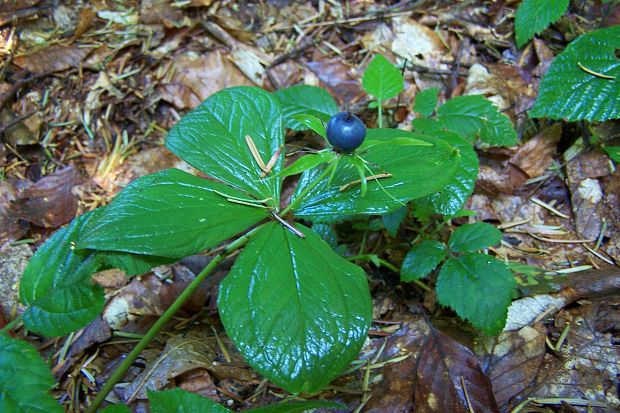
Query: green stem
307,189
165,317
12,324
380,109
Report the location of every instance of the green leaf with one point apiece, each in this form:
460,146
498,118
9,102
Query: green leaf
382,79
297,311
212,138
25,379
426,125
296,407
575,87
613,152
384,151
454,195
474,237
392,221
131,264
422,259
426,101
307,162
473,115
116,408
479,288
170,214
534,16
313,123
181,401
304,99
57,286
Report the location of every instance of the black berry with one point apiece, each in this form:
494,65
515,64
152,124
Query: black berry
345,132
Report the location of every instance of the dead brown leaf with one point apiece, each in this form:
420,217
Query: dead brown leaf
181,354
339,77
11,228
512,361
198,77
49,202
54,58
535,156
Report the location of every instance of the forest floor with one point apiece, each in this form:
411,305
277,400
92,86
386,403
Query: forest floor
88,91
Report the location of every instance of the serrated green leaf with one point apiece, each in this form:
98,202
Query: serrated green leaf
181,401
422,259
212,138
298,312
435,166
534,16
382,79
474,237
426,125
313,123
613,152
393,220
575,86
25,379
169,214
426,101
116,408
307,162
57,286
297,407
304,99
455,194
479,288
472,116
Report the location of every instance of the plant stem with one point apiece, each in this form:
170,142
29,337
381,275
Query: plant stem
309,188
165,317
12,324
380,110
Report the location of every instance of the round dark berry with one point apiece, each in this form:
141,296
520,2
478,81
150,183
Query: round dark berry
345,131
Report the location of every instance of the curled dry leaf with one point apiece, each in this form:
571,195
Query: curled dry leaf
49,202
54,58
339,78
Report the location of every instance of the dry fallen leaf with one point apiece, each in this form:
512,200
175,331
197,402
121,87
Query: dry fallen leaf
536,155
53,58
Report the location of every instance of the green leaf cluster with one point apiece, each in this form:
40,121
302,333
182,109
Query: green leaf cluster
477,286
459,122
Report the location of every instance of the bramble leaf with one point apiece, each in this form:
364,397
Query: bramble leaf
25,379
305,99
583,82
534,16
297,311
474,116
382,79
116,408
422,259
169,214
451,198
474,237
212,138
57,286
479,288
385,151
426,101
393,220
613,152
